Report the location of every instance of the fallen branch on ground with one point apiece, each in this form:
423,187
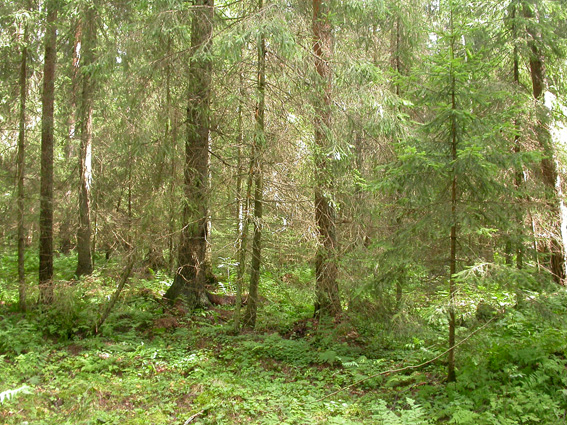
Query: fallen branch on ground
387,372
193,417
125,275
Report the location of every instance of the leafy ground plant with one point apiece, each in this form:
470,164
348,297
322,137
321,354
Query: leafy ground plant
154,363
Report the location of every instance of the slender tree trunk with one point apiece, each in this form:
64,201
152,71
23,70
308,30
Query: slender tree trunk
242,245
170,137
85,264
249,319
551,176
172,206
242,211
21,172
94,227
46,189
451,376
517,244
190,276
210,277
397,66
66,227
327,291
396,51
129,195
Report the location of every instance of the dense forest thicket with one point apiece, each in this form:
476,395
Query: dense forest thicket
272,211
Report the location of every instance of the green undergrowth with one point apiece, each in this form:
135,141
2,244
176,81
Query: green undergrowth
151,363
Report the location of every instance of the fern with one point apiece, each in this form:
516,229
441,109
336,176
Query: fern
414,415
8,394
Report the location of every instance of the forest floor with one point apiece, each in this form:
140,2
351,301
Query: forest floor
155,364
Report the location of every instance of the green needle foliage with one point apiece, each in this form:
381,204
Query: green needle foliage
440,145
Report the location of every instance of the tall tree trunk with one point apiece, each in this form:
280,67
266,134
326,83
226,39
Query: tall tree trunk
65,229
170,137
397,66
46,189
517,242
551,176
249,319
84,262
327,290
451,376
190,276
242,211
22,288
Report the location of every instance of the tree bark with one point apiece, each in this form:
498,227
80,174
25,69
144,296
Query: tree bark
190,278
170,137
242,212
47,141
249,319
517,243
327,291
549,166
65,230
22,288
451,375
84,262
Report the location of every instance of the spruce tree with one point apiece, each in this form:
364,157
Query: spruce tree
190,276
449,177
327,291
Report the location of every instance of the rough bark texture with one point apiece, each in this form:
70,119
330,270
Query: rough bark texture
190,278
21,172
328,301
84,262
551,177
46,189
